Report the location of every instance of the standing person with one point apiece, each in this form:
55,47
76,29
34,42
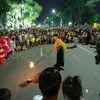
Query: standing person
13,45
97,57
75,41
88,37
20,37
61,47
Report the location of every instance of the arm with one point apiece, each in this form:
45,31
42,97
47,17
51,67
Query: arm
55,46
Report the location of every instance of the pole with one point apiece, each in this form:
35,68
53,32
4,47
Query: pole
40,59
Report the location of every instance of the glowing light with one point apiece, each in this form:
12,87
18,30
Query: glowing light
53,11
70,23
31,65
29,79
87,91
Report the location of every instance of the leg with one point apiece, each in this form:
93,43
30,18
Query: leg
60,58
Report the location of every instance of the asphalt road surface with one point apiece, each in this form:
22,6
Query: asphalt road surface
78,61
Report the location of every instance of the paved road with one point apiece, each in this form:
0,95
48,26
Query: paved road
79,61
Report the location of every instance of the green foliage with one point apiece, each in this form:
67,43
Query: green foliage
91,3
29,10
4,6
89,15
80,11
26,11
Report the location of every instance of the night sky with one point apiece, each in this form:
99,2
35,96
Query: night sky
48,5
58,5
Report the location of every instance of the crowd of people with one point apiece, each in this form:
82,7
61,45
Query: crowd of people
50,83
26,38
22,39
50,80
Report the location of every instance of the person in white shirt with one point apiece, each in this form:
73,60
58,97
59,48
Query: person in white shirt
26,36
38,97
75,41
20,37
13,46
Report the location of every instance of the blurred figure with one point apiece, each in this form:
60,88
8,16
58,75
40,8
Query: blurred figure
72,88
49,84
97,57
4,49
75,41
13,45
88,38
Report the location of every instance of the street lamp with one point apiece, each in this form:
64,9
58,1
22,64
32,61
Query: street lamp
47,17
53,11
70,23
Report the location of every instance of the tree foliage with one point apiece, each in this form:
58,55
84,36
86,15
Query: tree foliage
80,11
29,10
4,6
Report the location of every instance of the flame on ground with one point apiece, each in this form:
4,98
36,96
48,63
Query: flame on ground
31,65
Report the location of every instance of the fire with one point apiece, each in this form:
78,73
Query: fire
31,65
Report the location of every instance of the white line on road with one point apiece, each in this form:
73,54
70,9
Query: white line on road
85,50
41,52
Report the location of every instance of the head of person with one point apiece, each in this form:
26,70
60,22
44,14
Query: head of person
49,83
55,37
72,88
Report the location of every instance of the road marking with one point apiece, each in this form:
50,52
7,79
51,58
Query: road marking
41,52
85,50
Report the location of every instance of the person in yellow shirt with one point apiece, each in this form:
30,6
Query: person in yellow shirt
60,46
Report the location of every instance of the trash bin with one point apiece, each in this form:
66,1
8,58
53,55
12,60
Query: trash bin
5,94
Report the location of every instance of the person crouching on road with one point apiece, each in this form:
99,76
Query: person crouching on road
61,47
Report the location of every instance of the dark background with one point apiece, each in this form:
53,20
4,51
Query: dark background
48,5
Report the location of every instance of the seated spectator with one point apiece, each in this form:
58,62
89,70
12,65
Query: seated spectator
49,84
13,45
18,46
5,94
24,47
72,88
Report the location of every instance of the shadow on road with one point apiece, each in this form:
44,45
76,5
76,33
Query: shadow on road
72,47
